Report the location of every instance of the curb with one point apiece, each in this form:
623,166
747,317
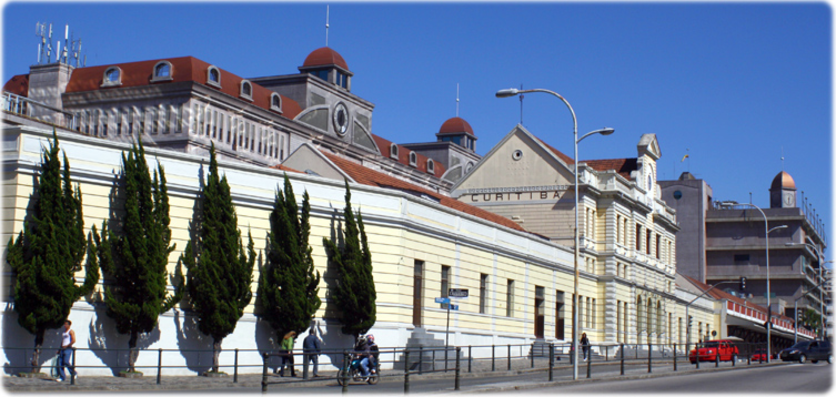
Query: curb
608,379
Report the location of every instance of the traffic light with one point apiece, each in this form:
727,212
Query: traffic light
690,321
743,283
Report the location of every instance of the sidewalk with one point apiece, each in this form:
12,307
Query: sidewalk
480,368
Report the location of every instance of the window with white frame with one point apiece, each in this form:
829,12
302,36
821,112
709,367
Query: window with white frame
276,102
430,166
413,159
246,90
393,151
213,76
162,71
112,77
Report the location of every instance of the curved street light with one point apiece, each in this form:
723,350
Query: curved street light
768,294
604,131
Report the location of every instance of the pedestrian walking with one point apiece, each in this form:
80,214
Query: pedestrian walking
65,354
287,353
311,348
585,346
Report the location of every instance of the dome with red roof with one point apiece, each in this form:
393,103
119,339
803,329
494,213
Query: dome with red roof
783,181
325,56
456,125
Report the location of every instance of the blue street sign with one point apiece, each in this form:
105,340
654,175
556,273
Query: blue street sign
442,300
454,307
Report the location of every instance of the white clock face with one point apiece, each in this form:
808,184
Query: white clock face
788,199
340,116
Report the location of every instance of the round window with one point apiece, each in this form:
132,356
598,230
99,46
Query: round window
517,155
340,119
677,195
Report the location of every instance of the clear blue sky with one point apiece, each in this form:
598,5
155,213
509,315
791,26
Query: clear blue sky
730,85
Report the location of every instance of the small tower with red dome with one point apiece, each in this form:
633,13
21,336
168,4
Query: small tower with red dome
782,192
458,131
328,65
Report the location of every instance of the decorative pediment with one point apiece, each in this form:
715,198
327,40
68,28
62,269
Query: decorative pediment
648,145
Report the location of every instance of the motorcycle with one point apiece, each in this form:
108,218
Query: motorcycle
355,373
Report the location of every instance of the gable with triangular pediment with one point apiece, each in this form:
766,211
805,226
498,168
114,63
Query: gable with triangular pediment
519,160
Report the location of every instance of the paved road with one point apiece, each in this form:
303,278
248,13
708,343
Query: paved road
792,378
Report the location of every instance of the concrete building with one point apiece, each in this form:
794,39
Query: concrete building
733,237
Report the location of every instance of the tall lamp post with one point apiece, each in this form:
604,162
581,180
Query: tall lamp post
510,92
768,294
820,258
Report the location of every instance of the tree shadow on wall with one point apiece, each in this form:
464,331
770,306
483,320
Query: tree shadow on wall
110,346
15,341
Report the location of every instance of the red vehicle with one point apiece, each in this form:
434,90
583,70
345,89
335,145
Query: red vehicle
760,355
710,350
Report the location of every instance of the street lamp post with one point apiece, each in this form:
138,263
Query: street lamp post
768,292
820,258
605,131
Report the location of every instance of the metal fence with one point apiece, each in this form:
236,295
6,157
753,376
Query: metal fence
413,362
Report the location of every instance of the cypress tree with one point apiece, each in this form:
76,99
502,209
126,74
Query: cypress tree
220,272
354,294
288,285
48,251
134,255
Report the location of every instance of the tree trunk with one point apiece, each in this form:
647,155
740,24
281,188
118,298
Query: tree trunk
134,353
36,354
216,353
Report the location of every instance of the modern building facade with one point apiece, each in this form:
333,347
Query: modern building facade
734,239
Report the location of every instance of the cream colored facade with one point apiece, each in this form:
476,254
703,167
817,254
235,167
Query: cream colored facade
627,232
402,230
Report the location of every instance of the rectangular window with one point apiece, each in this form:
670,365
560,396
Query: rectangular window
559,316
638,237
741,257
594,313
588,311
509,299
118,121
445,284
483,293
658,247
580,311
648,235
417,293
155,120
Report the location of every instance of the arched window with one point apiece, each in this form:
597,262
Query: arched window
413,159
430,166
213,77
276,102
162,71
112,77
393,151
246,90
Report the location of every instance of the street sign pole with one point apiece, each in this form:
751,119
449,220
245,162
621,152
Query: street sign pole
447,340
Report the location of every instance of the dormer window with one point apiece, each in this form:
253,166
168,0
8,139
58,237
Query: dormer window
213,77
112,77
246,90
393,151
430,166
162,71
276,102
413,159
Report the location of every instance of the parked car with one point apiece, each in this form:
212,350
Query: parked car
760,355
710,350
813,350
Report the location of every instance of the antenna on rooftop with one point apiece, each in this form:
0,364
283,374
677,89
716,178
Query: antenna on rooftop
49,46
457,99
327,17
39,31
782,158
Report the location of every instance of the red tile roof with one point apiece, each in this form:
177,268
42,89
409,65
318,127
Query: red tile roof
566,159
366,176
403,156
720,294
18,85
456,125
324,56
288,169
137,74
622,166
